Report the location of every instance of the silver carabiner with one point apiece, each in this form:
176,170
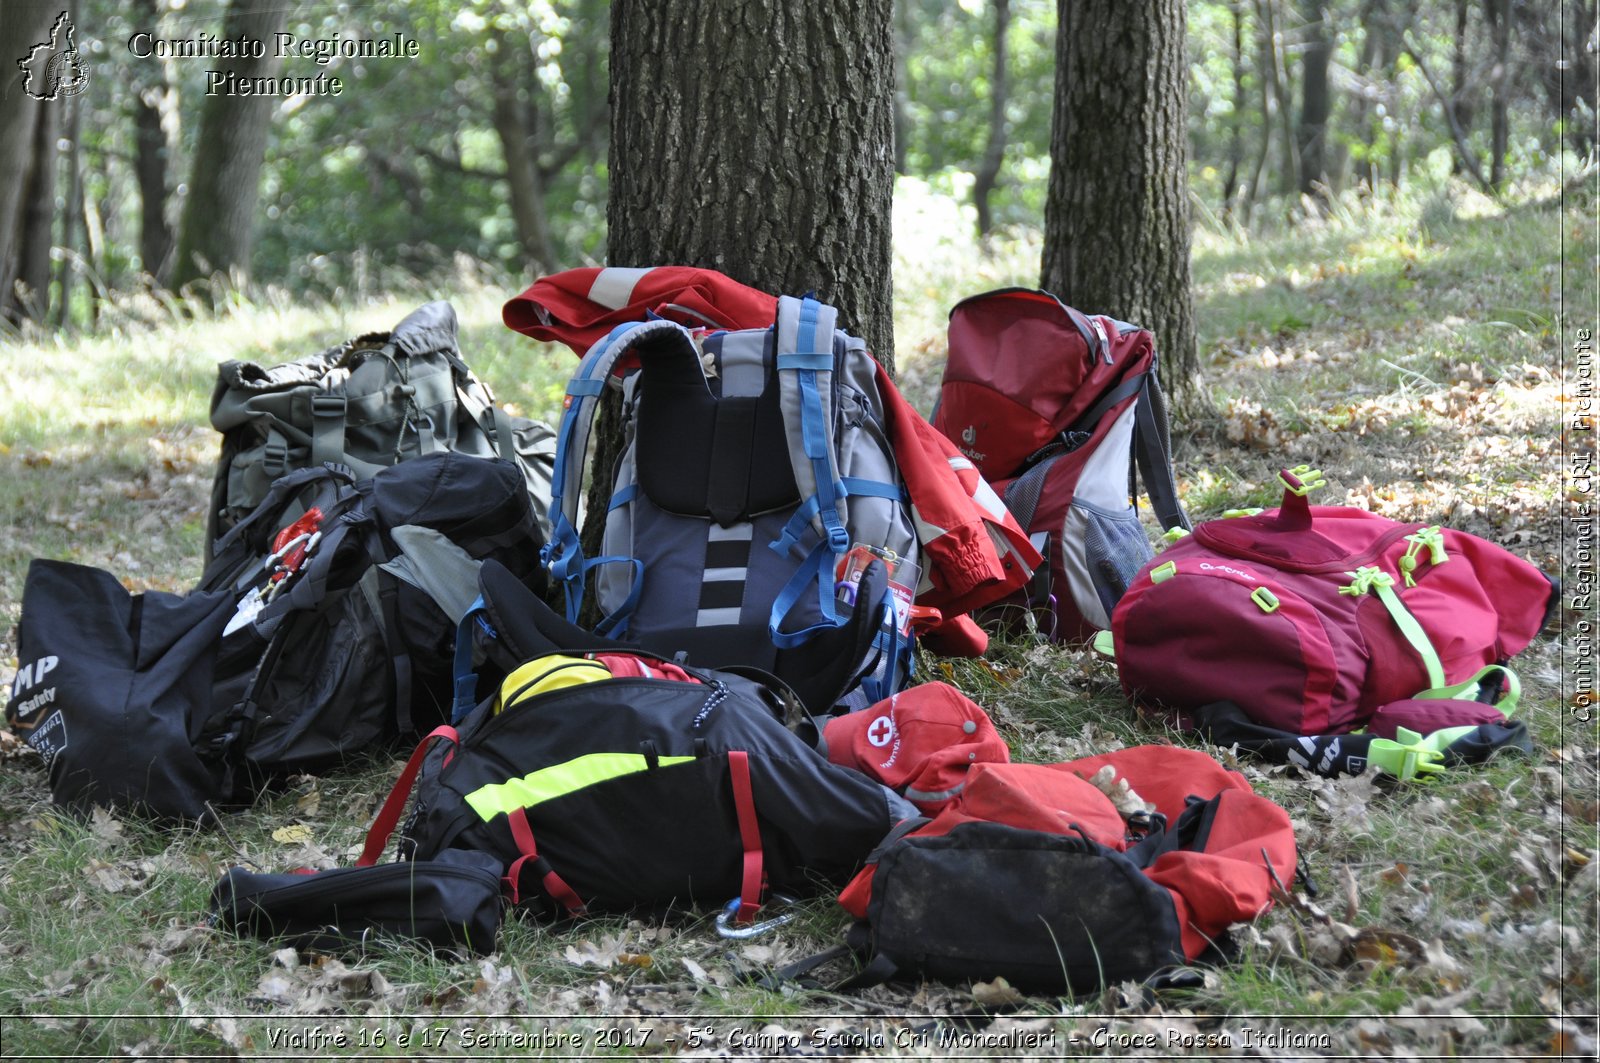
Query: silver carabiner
726,929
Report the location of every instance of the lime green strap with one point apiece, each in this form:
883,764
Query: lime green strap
1375,579
1468,691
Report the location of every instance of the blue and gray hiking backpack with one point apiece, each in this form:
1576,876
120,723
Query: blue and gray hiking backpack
757,516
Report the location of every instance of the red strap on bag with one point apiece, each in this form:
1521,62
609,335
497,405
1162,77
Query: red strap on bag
395,803
744,803
554,884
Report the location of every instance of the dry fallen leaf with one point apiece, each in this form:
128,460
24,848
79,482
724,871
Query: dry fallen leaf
294,834
996,994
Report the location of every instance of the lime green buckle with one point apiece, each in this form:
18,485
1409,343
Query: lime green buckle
1407,756
1172,535
1265,599
1249,511
1162,573
1301,480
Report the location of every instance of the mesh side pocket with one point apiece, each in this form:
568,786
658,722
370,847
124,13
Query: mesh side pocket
1101,553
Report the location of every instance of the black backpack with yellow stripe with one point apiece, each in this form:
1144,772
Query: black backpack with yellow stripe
612,780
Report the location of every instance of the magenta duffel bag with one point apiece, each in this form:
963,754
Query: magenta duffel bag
1311,619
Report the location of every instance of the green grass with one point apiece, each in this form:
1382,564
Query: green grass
1410,350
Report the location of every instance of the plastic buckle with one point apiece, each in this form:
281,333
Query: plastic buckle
326,405
1172,535
1164,572
1265,599
730,913
1248,511
274,459
1301,480
1408,756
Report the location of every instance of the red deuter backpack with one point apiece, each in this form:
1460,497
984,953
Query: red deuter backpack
1323,620
1054,407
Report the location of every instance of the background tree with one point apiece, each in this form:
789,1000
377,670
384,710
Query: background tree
27,158
1315,105
219,216
756,137
1116,238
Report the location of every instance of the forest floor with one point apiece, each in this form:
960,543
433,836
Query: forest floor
1413,353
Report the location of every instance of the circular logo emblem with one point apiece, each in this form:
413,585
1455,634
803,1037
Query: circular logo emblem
880,732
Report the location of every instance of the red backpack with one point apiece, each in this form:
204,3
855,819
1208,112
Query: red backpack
1323,620
1054,407
1034,874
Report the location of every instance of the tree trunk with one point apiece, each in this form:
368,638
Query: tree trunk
1361,120
219,216
23,23
1117,221
1230,180
1280,93
37,227
902,87
1460,75
994,151
755,137
150,155
1315,103
1500,80
516,124
72,259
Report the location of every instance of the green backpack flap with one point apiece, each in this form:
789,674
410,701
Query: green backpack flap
368,403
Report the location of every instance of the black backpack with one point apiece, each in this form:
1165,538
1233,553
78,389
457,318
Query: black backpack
608,778
308,638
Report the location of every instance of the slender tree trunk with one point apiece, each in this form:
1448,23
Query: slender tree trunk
902,88
516,124
1500,82
1315,102
150,156
755,137
994,151
23,23
39,217
1230,180
1460,80
1361,120
1282,94
1117,222
72,221
1264,70
218,227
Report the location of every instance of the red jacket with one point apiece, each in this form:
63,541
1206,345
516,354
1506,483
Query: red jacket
975,552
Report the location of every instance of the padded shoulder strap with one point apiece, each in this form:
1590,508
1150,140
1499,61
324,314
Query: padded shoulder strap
805,391
1152,448
562,555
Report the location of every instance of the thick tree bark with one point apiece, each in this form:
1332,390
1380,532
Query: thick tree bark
1117,221
755,137
1315,102
994,151
218,227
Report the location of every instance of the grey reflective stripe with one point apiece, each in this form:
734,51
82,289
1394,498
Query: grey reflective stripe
790,400
438,567
613,286
929,796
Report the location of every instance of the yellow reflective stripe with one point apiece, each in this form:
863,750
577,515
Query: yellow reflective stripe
559,780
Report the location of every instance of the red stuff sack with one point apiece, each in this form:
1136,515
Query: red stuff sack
1053,407
1311,619
1034,874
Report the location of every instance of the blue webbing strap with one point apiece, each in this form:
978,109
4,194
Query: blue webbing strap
563,555
466,679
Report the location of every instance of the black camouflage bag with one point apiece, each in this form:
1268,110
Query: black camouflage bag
368,403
